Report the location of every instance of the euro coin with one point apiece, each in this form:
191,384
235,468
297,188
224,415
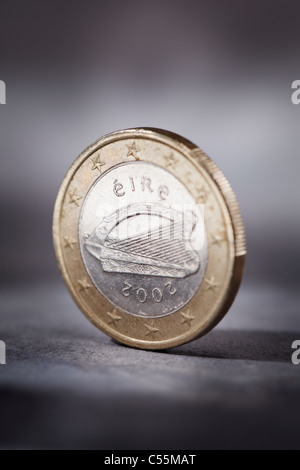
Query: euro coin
149,238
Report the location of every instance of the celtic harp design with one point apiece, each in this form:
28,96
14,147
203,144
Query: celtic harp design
164,249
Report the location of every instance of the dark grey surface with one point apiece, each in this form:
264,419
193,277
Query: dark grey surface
66,385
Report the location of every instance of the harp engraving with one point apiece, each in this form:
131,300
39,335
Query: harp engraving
162,248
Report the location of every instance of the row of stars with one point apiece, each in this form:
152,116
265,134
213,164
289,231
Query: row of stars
202,193
172,162
132,150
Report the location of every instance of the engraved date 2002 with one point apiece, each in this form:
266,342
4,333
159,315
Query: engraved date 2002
141,294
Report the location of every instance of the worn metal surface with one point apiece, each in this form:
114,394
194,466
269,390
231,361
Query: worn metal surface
137,273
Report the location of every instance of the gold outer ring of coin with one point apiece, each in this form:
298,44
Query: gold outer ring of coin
223,223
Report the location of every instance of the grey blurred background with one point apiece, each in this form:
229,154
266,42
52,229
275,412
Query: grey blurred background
218,73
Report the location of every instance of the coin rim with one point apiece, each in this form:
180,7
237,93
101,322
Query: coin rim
192,152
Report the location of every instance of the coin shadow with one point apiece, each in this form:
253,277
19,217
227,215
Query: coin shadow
260,346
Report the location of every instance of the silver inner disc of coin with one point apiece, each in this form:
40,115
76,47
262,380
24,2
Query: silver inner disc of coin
142,239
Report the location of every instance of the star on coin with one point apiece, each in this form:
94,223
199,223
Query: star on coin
187,318
97,164
202,195
189,178
84,285
211,283
70,242
151,331
217,239
114,318
199,156
74,197
172,161
133,150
